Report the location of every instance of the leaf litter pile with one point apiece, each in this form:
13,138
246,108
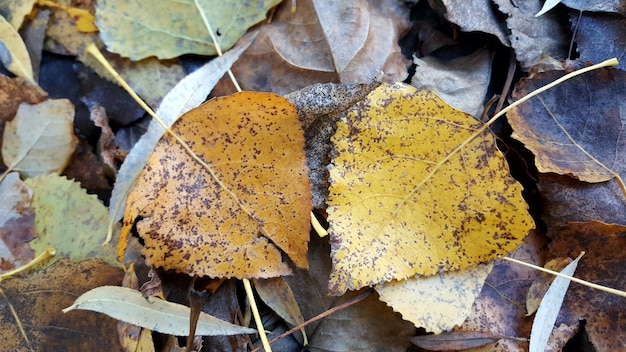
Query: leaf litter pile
365,175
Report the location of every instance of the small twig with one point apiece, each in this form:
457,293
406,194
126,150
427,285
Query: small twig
355,300
257,316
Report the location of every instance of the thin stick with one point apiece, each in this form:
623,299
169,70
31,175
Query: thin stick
574,279
45,255
256,315
355,300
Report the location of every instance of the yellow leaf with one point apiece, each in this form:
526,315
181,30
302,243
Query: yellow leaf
412,194
234,218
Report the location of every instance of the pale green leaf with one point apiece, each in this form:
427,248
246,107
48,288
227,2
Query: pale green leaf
69,220
167,29
549,309
13,53
130,306
40,139
186,95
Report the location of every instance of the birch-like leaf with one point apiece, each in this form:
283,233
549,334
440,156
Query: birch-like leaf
130,306
40,139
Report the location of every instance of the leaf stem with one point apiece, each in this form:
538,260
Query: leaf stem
571,278
257,316
45,255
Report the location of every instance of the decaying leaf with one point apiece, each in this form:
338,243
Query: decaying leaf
577,128
187,94
439,302
152,313
408,198
38,300
168,29
80,234
234,216
13,53
275,292
602,264
549,309
14,91
40,139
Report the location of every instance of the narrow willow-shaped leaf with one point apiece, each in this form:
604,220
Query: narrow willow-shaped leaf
130,306
549,309
187,94
13,53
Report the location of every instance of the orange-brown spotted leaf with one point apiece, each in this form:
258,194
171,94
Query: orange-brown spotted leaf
403,202
235,216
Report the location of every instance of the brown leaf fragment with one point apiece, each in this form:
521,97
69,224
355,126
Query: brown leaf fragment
234,216
453,341
603,264
13,92
38,300
110,154
17,221
533,36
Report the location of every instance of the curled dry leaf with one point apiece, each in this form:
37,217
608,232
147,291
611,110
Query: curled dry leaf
152,313
412,195
233,216
40,139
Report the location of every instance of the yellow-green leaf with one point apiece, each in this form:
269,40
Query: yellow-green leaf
413,194
13,53
69,220
128,305
40,139
167,29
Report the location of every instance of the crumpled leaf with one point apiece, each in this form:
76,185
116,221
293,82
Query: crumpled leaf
187,94
168,29
38,299
16,223
151,313
576,127
234,218
549,309
80,233
389,217
436,303
13,53
40,139
479,17
602,264
599,36
324,41
531,37
14,11
461,82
